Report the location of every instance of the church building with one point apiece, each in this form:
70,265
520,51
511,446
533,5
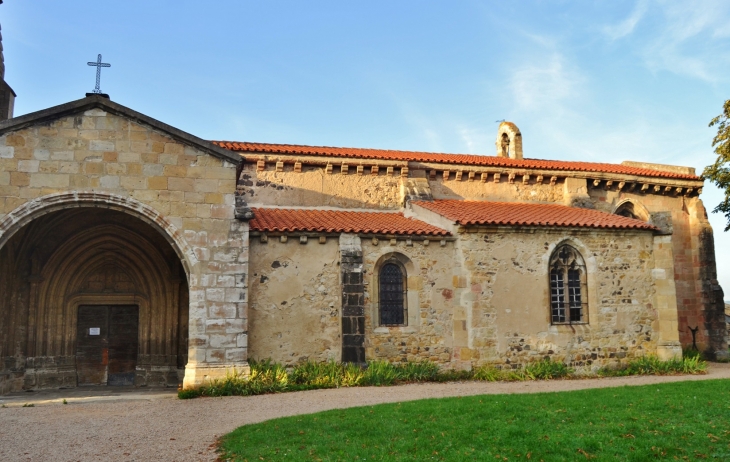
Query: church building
133,253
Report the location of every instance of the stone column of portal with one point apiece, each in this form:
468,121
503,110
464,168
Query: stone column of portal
665,299
353,299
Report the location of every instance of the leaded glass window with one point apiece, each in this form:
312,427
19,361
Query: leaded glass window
568,287
392,289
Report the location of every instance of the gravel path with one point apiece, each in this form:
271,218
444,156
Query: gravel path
160,427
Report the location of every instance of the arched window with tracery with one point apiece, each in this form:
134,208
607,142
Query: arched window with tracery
568,291
392,290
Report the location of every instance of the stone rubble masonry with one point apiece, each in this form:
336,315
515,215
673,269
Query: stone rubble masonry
507,298
435,322
698,295
98,152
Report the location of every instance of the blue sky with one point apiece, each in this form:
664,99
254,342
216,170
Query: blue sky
584,80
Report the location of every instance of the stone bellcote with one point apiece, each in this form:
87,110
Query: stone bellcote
509,141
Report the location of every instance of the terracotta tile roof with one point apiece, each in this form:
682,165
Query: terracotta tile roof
462,159
334,221
513,213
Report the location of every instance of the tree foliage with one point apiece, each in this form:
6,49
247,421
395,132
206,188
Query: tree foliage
719,172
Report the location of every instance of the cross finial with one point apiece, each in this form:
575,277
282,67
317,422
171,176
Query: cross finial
98,64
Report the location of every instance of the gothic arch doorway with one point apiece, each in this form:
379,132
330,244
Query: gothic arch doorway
91,296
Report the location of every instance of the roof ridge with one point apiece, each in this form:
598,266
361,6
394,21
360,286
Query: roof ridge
528,214
453,158
437,153
349,147
293,220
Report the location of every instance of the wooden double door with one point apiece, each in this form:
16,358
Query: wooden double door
107,342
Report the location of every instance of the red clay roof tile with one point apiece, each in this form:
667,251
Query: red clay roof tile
334,221
513,213
462,159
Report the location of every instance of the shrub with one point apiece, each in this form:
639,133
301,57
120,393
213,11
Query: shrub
546,370
540,370
422,371
379,373
652,365
488,374
269,377
321,375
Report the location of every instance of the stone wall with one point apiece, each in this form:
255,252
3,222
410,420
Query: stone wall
504,190
432,301
698,294
508,305
97,159
314,187
295,300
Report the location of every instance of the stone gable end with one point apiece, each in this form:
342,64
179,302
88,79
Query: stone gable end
98,151
184,191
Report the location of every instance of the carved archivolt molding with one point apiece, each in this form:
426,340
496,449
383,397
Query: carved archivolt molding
105,264
35,208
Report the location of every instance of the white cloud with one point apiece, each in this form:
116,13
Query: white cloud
541,86
700,26
474,139
627,26
685,38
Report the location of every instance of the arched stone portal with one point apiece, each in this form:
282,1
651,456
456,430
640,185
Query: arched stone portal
66,271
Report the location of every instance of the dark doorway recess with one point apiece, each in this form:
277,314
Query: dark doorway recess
107,344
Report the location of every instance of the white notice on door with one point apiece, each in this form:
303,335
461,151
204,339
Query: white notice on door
94,330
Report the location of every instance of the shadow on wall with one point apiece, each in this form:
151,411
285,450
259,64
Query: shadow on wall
314,187
94,257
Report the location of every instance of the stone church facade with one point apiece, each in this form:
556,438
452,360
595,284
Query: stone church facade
132,253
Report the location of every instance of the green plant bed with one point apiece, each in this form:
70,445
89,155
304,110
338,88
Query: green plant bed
684,420
651,365
270,377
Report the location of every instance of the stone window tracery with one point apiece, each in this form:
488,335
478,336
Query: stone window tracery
392,293
568,291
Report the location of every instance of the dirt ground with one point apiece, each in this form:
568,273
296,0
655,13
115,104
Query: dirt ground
153,425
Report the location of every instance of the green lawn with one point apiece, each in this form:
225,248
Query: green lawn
677,421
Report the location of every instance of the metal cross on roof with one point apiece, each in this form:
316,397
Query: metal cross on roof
98,65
